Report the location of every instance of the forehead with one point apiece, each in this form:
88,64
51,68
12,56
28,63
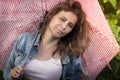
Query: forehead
70,16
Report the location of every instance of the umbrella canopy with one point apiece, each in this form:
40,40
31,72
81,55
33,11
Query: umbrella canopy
103,46
18,16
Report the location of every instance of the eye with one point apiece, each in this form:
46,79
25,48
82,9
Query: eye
62,19
71,25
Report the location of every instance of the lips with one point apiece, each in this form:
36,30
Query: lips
59,31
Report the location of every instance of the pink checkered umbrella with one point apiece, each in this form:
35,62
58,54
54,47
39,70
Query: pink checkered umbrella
18,16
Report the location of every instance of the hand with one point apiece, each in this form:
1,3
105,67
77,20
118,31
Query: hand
15,72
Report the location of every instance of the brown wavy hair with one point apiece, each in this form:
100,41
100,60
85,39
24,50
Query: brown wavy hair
75,43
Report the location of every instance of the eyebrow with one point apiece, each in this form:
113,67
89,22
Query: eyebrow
66,19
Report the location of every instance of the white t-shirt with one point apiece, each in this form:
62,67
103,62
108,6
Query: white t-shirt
43,70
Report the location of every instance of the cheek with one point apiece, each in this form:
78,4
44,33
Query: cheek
55,23
69,30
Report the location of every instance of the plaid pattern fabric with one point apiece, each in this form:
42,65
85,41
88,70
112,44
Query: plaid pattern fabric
19,16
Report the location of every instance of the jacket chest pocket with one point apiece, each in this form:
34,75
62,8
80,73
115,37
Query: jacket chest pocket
70,76
72,72
69,72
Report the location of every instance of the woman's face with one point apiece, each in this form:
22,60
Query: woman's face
62,24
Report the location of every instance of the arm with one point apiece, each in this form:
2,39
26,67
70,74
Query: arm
17,55
11,60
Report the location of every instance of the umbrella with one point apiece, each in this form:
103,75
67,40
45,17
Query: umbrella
18,16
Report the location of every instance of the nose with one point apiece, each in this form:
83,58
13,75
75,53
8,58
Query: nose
64,26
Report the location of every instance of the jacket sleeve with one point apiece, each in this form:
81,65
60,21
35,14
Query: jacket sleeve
11,60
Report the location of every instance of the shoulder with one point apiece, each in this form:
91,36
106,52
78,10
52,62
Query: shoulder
24,40
27,35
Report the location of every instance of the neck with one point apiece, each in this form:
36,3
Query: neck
49,41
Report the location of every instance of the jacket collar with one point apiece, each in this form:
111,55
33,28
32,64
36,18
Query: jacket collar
37,40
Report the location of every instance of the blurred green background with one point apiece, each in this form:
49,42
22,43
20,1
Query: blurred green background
111,9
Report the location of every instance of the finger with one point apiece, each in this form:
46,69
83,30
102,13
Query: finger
18,69
14,74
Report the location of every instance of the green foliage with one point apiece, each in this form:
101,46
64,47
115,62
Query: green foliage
113,74
1,75
113,2
111,9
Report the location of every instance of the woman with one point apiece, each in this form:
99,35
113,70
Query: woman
54,52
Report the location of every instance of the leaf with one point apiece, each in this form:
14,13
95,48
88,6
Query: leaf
118,56
114,3
105,1
118,11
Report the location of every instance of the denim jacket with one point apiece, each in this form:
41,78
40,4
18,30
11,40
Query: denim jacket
26,48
